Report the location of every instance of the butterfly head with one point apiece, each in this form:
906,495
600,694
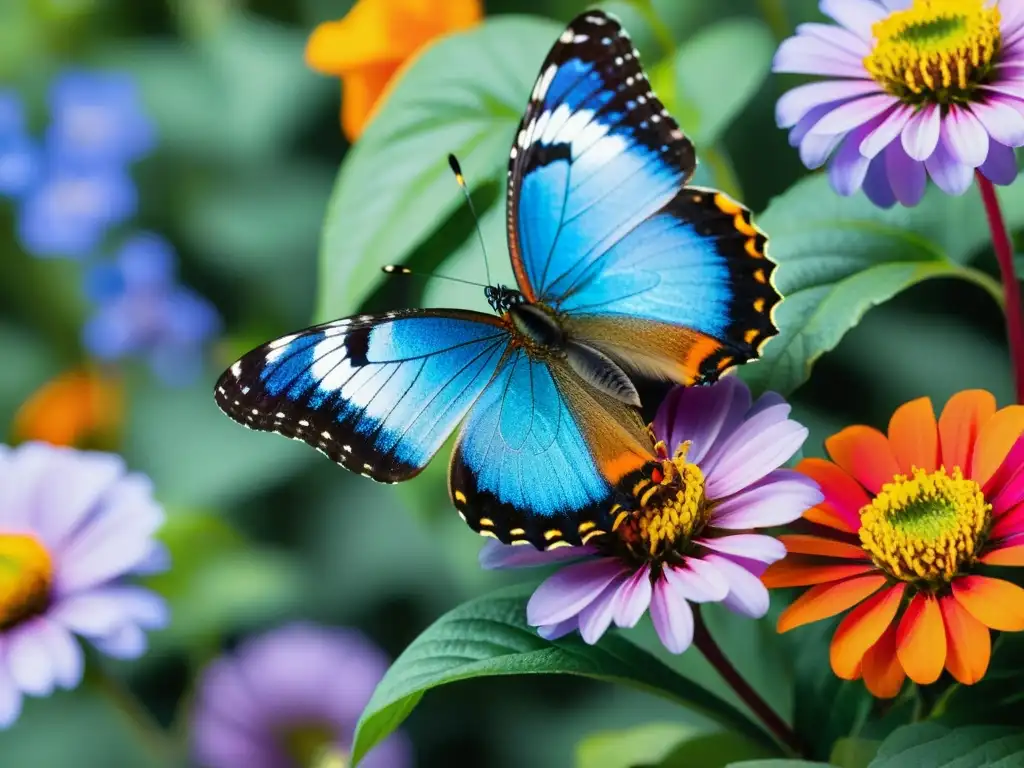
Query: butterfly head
502,298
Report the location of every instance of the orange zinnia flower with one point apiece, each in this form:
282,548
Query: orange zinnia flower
377,37
72,409
906,522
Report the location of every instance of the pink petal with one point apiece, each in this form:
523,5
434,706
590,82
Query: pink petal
697,581
907,176
814,150
858,16
835,36
803,55
965,137
780,498
700,415
852,114
671,616
747,595
921,133
561,629
796,103
884,134
951,176
595,619
495,555
632,598
566,593
754,546
1003,123
1008,524
759,446
848,168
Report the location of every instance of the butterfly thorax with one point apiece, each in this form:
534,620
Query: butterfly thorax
536,329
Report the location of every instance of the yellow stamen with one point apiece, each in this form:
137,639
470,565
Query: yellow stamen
927,528
26,576
936,51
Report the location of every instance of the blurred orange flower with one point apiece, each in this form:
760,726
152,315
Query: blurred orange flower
74,409
908,521
377,37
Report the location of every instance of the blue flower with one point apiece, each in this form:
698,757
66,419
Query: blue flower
19,155
143,312
97,120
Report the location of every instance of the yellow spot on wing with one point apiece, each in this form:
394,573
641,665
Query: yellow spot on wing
554,533
486,521
460,496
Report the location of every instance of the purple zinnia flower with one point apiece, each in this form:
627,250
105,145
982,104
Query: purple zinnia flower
689,540
73,526
142,310
291,698
19,155
920,87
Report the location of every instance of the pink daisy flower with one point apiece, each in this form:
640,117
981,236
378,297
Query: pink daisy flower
688,537
917,88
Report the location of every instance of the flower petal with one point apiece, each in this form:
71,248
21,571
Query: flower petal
883,134
858,16
65,654
753,546
844,496
921,134
672,616
804,570
10,694
1000,167
781,497
836,36
960,424
561,629
701,415
796,103
849,167
747,595
921,640
965,137
102,612
1008,524
906,175
877,186
865,454
63,506
852,114
758,446
595,618
815,150
697,581
29,660
632,598
951,176
564,594
883,675
995,438
826,600
126,642
1002,122
995,603
806,544
1003,554
861,629
968,642
914,436
1005,487
494,555
806,55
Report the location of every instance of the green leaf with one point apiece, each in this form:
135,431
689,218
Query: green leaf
937,746
464,95
713,750
838,257
622,749
778,764
489,637
853,753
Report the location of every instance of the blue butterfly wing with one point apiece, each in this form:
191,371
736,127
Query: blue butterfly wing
541,456
378,394
601,224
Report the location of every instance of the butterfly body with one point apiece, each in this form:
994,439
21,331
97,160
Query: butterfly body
621,269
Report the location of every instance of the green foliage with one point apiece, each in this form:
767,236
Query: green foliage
931,744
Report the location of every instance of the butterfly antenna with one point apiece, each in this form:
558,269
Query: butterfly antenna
457,170
395,269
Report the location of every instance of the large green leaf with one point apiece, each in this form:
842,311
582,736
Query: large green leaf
631,746
464,95
936,746
838,257
489,637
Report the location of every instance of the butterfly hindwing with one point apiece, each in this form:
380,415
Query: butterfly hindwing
541,454
378,394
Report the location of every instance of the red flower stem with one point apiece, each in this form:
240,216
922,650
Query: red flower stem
1011,288
709,648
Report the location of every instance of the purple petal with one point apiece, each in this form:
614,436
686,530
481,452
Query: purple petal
1000,167
127,642
700,415
747,595
86,477
951,176
23,472
102,612
858,16
1003,123
632,598
494,555
672,617
29,661
885,132
561,629
808,121
803,55
877,186
157,560
795,104
906,176
896,5
595,619
754,546
760,445
836,36
848,116
219,743
65,654
921,133
696,580
767,400
566,593
10,694
782,497
848,168
814,150
965,137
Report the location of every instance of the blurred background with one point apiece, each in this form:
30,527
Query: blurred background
129,282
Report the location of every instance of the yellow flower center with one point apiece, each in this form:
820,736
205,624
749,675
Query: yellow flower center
669,510
312,745
26,575
936,51
927,528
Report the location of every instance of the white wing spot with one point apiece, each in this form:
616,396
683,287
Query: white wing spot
566,36
279,415
303,423
596,20
580,38
368,467
326,435
236,369
348,448
284,341
245,390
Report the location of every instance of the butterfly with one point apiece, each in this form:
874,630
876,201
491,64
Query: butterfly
621,270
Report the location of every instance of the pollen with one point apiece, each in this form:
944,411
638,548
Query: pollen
936,51
927,528
26,578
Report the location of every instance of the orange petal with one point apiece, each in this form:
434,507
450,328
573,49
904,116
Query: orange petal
844,496
362,96
995,439
883,675
797,571
1006,555
862,628
914,436
864,453
968,641
995,603
827,600
960,423
921,640
823,515
804,544
76,408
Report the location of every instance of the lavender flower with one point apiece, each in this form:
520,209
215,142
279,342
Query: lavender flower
74,526
289,699
690,541
919,88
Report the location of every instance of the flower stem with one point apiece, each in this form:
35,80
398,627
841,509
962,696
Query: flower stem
709,648
1011,288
